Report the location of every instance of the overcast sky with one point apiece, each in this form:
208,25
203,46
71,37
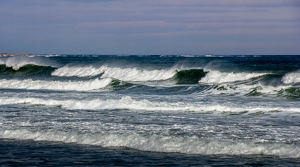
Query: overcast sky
220,27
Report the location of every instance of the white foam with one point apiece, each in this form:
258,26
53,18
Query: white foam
145,105
157,143
133,74
16,62
291,78
67,71
124,74
223,77
55,85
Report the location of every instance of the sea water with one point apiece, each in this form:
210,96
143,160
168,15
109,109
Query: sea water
149,110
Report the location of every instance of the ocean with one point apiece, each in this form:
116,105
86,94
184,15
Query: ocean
149,110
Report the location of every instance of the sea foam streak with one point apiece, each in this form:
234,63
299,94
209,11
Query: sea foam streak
55,85
157,143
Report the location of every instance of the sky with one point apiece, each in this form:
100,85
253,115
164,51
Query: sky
143,27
